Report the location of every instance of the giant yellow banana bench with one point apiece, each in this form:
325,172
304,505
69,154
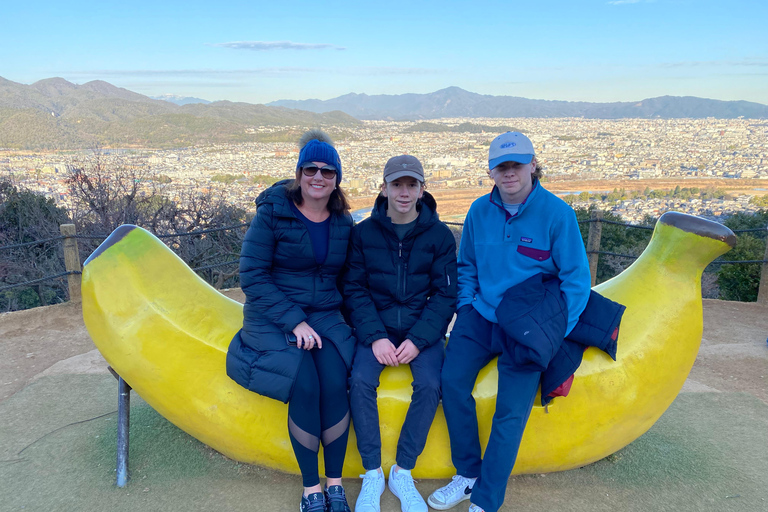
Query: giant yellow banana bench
166,332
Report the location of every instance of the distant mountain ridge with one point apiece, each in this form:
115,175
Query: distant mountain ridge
456,102
57,114
179,100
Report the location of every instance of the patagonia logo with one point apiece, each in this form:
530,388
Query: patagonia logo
526,239
508,145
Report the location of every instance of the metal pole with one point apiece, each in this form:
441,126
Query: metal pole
123,414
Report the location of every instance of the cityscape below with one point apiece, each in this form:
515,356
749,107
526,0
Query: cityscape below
592,156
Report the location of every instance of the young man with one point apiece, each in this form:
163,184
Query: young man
514,233
400,291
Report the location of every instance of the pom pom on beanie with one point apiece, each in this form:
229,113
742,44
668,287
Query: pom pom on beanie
317,146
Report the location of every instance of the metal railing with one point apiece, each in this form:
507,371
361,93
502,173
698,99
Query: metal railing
69,239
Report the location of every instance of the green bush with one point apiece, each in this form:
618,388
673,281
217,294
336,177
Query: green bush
615,238
741,281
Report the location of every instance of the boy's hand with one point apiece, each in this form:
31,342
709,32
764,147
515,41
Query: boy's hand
384,351
406,352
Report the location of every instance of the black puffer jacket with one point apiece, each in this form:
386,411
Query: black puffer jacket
283,286
278,271
401,290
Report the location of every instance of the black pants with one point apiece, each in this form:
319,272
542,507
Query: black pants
319,412
364,383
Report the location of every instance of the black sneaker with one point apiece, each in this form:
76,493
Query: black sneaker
315,502
336,499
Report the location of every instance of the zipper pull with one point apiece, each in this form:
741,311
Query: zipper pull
400,249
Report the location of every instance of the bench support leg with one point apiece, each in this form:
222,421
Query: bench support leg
123,414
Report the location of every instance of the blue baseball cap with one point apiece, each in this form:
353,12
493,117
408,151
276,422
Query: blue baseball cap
510,147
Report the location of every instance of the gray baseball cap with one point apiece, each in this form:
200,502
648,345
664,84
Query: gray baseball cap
403,165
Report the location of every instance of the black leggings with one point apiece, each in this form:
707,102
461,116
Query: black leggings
319,412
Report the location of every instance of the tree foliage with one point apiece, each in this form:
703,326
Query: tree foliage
28,217
102,198
741,281
616,239
683,194
105,197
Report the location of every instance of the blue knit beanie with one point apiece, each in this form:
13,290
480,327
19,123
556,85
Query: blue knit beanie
317,146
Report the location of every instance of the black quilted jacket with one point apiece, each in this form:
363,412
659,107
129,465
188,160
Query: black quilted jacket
283,284
401,290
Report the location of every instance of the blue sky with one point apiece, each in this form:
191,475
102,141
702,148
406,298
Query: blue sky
257,51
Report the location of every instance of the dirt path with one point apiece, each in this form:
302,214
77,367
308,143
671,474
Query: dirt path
46,341
734,353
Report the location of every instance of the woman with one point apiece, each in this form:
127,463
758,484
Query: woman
294,345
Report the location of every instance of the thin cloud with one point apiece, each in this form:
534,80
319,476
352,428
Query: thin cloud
701,63
262,46
202,73
193,73
623,2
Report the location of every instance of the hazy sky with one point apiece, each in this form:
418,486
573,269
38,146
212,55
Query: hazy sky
259,51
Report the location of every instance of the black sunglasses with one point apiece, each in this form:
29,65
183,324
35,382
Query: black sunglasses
328,171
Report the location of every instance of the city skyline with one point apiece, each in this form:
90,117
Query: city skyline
597,51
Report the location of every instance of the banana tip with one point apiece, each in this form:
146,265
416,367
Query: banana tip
699,226
117,235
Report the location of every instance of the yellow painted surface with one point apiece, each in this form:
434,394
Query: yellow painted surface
166,332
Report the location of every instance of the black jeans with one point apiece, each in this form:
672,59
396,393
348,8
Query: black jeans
365,414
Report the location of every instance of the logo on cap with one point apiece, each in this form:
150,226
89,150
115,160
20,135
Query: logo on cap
508,145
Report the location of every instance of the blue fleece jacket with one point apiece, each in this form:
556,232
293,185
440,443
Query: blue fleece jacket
499,250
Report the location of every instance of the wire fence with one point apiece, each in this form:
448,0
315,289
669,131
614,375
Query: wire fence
219,265
101,237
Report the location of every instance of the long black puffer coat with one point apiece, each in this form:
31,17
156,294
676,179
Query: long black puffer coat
401,290
283,286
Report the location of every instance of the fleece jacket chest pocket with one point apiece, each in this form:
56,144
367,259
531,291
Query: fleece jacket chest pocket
536,254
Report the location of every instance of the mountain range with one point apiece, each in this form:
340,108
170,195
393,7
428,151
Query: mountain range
57,114
456,102
179,100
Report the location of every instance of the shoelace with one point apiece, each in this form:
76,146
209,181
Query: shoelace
368,491
316,505
455,486
409,490
336,496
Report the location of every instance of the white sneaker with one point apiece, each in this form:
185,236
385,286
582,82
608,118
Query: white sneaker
370,494
401,485
452,494
474,508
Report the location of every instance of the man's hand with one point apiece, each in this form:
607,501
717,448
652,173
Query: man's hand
384,351
406,352
306,337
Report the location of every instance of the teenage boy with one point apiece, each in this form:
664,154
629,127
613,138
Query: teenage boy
517,231
400,291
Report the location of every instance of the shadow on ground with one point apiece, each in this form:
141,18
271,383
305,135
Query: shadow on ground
708,452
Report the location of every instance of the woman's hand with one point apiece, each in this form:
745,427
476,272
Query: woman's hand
306,337
384,352
406,352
